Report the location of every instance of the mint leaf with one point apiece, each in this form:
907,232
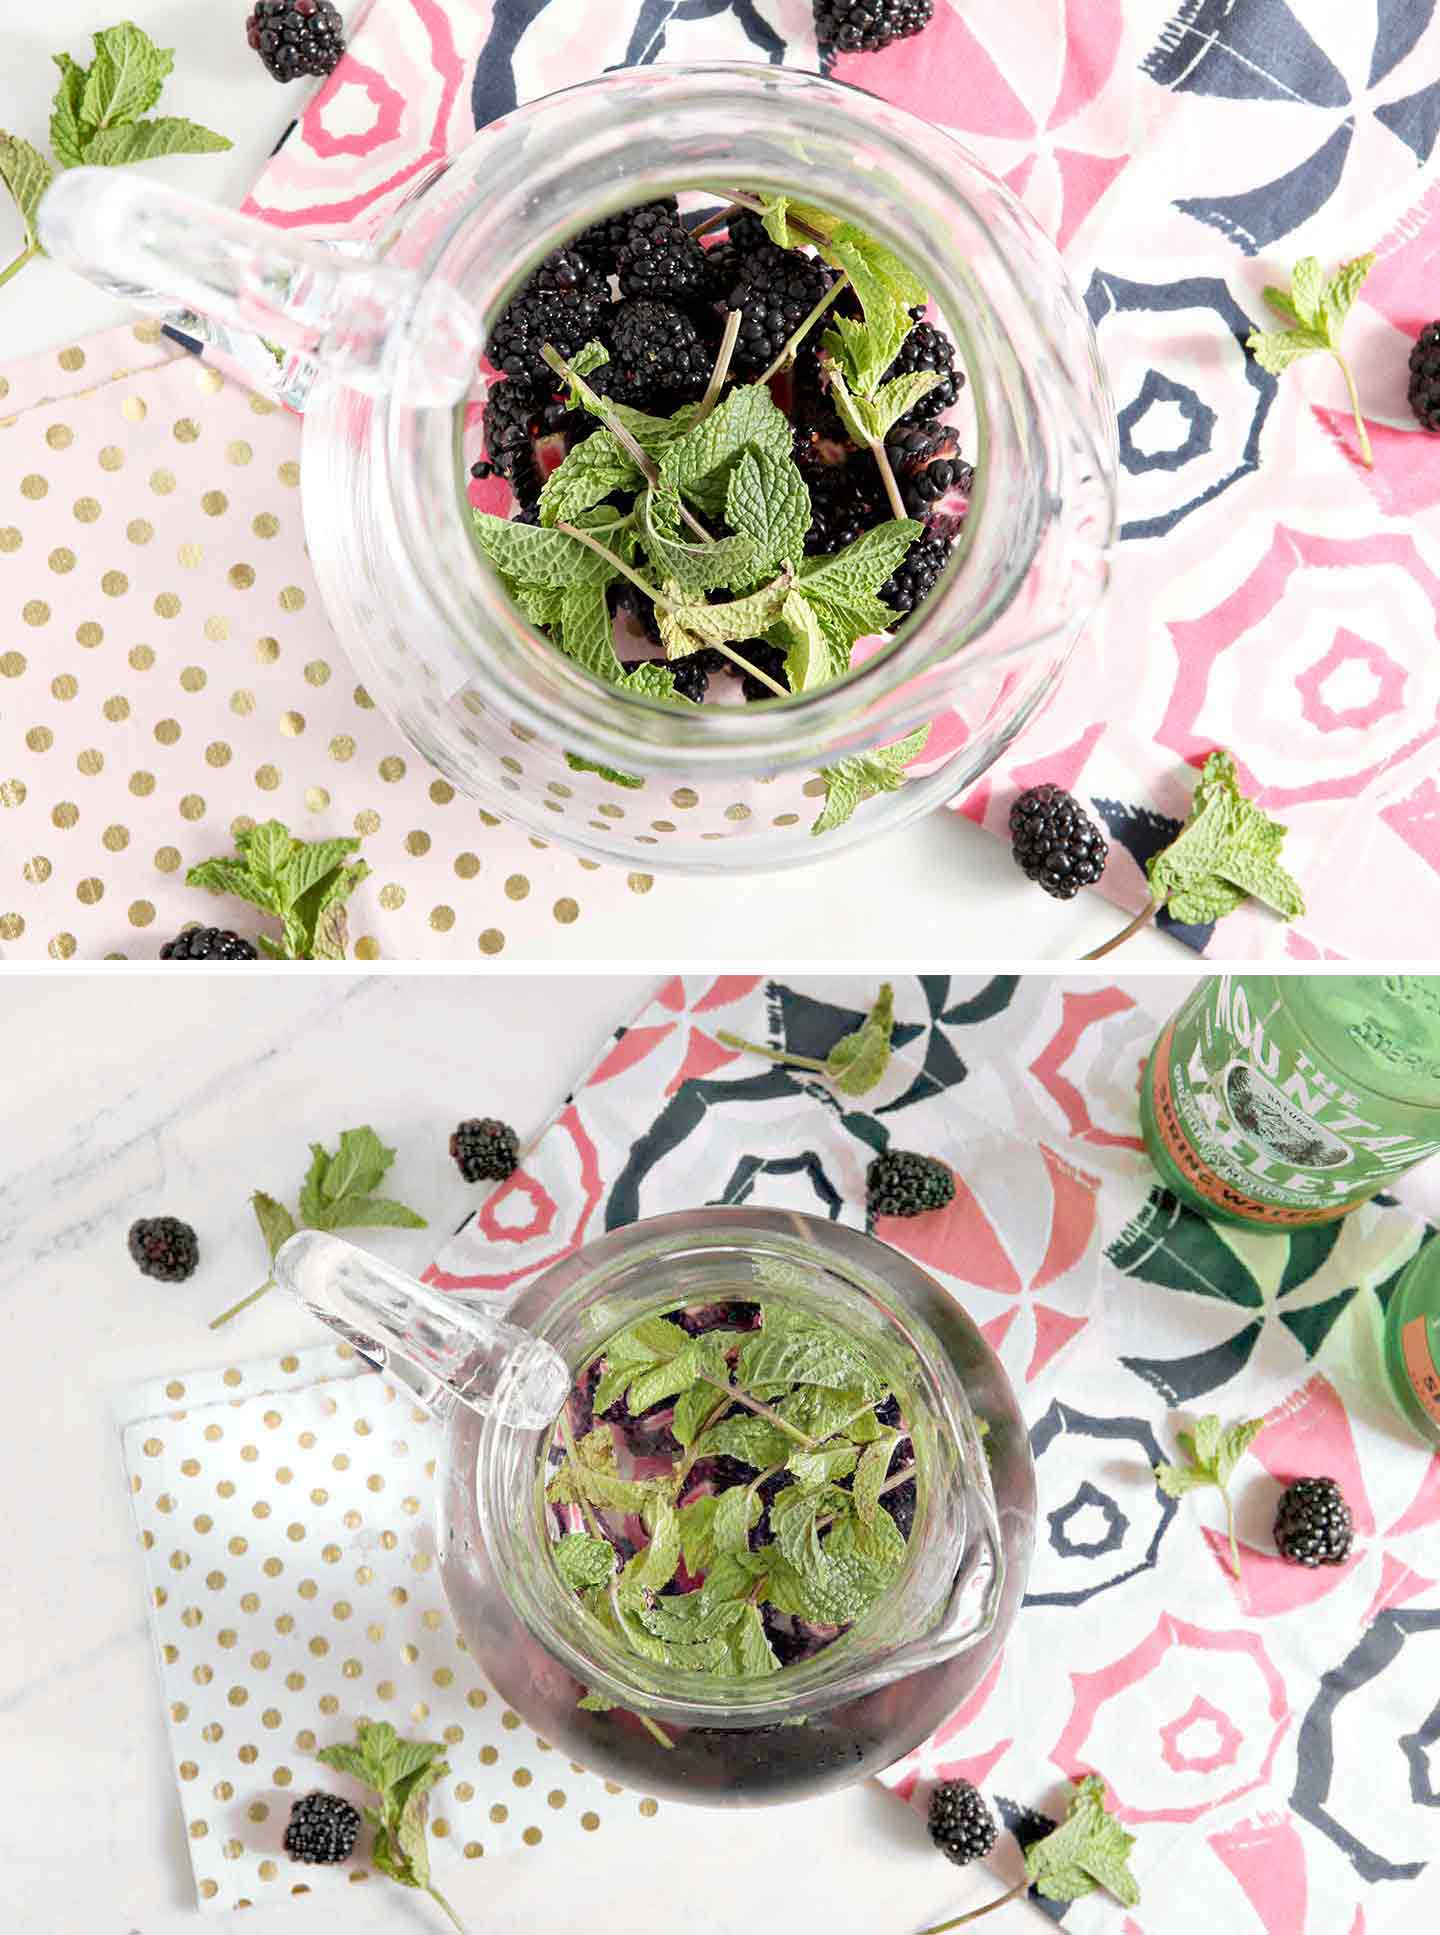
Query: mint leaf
277,1225
67,134
1338,296
583,1561
773,221
877,1545
850,782
231,877
858,1061
27,174
125,77
375,1212
297,881
1276,349
1319,310
900,394
1227,850
767,500
861,568
596,1703
689,626
579,765
802,1356
1306,290
1089,1850
729,562
871,1473
753,1440
750,1651
820,1411
151,140
538,555
586,631
736,1513
1212,1453
692,1409
589,473
697,1532
823,1466
698,462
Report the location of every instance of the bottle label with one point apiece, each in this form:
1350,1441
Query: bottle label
1256,1126
1421,1368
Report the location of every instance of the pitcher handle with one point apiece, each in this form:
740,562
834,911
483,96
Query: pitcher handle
372,326
443,1351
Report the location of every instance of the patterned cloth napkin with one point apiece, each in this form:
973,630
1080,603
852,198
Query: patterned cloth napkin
1270,594
284,1509
1272,1744
166,671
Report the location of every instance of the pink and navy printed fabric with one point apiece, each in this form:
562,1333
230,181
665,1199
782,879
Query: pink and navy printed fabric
1273,1744
1270,594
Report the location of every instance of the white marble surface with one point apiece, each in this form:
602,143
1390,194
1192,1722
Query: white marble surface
124,1096
942,881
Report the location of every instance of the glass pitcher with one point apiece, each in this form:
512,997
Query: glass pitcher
497,1386
385,364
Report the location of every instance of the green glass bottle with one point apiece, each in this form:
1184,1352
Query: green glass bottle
1412,1342
1278,1101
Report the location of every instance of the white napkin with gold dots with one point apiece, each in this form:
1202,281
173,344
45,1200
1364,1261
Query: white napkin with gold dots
283,1508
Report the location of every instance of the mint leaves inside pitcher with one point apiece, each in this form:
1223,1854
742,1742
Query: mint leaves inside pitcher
731,1486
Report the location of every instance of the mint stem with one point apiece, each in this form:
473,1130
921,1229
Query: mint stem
717,220
737,1396
770,1054
1230,1522
1147,913
455,1920
887,477
655,1732
1367,456
586,537
721,370
244,1304
975,1913
14,268
622,436
787,354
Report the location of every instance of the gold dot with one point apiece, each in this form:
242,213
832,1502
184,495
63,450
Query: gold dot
162,482
186,430
37,870
556,1797
265,525
239,452
242,576
640,883
167,859
217,753
114,584
292,724
516,887
59,436
367,821
267,778
90,762
10,538
342,747
566,911
510,1721
64,815
391,898
214,503
467,865
12,665
62,559
289,474
292,598
283,1777
33,487
532,1837
142,912
36,612
440,1827
86,509
192,807
198,1830
167,731
167,605
141,657
90,891
217,629
316,799
72,359
499,1812
139,530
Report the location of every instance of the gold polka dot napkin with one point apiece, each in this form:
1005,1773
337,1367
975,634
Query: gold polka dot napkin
284,1509
167,673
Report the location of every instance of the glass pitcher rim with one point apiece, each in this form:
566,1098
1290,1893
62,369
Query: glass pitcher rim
524,675
674,1693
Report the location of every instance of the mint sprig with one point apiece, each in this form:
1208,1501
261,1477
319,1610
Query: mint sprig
96,122
856,1063
303,883
1212,1452
400,1774
1227,852
337,1193
1317,308
850,782
1088,1852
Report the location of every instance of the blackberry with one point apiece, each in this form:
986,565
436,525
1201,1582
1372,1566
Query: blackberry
846,501
1055,842
164,1248
660,258
932,481
1313,1524
294,37
928,348
902,1183
564,303
1425,376
208,944
716,1316
912,446
602,242
485,1150
662,346
961,1825
322,1828
767,1493
776,292
913,580
631,601
887,1411
622,384
791,1640
900,1504
867,26
512,422
766,658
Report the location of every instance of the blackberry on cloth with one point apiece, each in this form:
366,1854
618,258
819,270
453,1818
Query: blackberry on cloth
1055,841
867,26
208,944
961,1825
322,1829
294,37
1313,1524
485,1150
904,1183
